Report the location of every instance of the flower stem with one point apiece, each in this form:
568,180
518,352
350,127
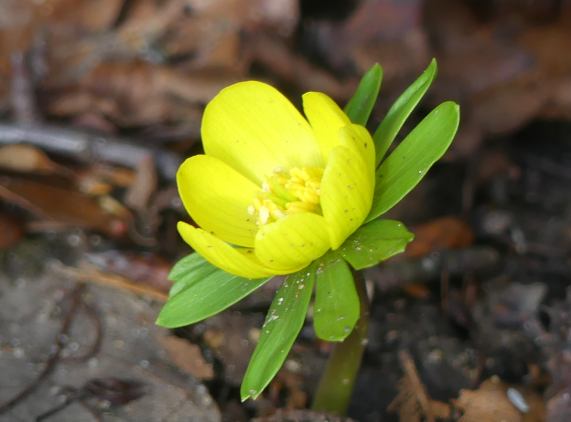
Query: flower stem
336,384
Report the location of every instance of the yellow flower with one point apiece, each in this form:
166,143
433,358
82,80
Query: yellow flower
274,191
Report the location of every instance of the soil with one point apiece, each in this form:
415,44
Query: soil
471,323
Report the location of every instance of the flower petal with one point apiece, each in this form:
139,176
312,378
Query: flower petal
217,198
292,242
359,139
253,128
238,261
348,184
326,118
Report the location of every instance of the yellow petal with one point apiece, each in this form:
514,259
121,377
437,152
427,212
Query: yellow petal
238,261
359,139
347,185
217,198
326,118
253,128
292,242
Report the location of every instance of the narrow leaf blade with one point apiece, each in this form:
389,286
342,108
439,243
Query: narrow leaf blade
283,323
375,242
361,105
187,271
401,110
336,309
412,159
206,290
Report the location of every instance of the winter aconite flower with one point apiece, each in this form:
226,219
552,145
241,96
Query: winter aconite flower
274,190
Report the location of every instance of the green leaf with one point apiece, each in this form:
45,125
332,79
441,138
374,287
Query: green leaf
401,109
361,105
200,291
336,309
283,323
411,160
375,242
187,271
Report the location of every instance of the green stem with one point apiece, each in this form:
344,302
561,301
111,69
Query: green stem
336,384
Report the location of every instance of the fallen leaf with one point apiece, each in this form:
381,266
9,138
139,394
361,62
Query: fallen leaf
144,185
11,230
62,205
228,335
138,93
28,159
412,402
188,357
442,233
87,273
145,269
290,385
488,403
285,415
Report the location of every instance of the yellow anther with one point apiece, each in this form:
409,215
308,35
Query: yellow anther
286,192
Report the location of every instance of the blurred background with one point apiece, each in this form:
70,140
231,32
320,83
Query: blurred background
100,101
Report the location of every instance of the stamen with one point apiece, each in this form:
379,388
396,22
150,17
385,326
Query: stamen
287,192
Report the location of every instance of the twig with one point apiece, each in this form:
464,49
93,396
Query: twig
68,400
92,275
22,94
96,344
51,363
88,146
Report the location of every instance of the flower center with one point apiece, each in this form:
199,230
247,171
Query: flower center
287,192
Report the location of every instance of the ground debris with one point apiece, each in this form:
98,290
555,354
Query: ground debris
64,206
412,402
302,416
494,400
188,357
101,101
129,360
555,344
442,233
27,159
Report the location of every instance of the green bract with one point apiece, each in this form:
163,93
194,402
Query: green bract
201,289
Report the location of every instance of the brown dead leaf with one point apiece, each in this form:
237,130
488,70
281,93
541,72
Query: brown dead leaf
489,403
62,205
145,269
138,93
28,159
84,15
100,179
11,231
271,53
87,273
417,290
144,185
188,357
290,415
442,233
280,17
290,385
17,19
412,402
228,335
378,31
